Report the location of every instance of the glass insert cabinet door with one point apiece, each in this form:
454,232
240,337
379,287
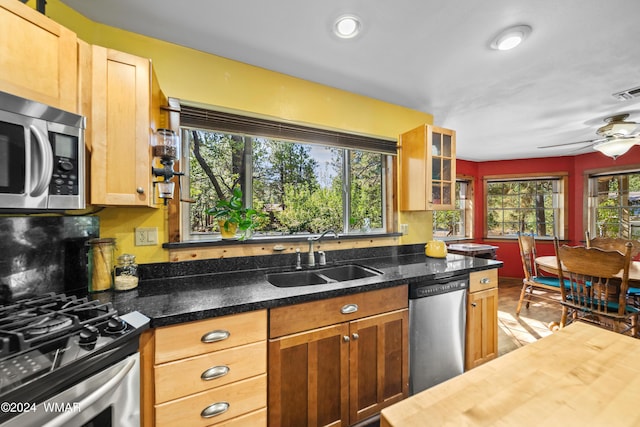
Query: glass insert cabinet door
427,169
442,168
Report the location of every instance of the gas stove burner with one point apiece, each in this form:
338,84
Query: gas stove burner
51,341
48,325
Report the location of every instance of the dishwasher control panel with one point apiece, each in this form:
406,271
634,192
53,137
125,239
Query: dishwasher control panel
426,290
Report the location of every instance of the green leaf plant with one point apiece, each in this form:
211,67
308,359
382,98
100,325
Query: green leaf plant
232,211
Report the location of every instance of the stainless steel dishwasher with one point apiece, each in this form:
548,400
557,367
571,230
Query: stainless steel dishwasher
437,320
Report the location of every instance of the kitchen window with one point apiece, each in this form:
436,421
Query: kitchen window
614,204
306,180
526,204
456,223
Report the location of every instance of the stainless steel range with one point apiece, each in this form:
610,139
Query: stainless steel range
68,361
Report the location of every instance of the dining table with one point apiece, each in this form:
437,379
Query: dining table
549,264
580,375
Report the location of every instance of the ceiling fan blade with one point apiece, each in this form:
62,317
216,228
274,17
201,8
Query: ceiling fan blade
590,141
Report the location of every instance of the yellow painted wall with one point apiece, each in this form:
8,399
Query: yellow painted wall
230,85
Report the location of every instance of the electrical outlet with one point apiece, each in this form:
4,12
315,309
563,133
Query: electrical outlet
146,236
404,228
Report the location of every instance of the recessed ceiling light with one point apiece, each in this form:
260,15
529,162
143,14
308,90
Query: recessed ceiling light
511,37
347,26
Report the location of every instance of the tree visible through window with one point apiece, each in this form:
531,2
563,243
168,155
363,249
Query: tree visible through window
525,206
615,205
454,223
303,188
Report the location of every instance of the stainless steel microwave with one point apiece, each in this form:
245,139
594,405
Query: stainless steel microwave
42,156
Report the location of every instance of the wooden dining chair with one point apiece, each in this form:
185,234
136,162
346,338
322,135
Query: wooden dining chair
612,244
532,280
617,244
598,281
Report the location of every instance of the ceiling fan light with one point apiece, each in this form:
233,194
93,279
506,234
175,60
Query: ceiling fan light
511,37
615,147
617,128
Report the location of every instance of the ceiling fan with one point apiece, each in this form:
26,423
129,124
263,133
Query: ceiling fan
617,136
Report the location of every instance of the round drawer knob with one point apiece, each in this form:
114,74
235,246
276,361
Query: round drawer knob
140,190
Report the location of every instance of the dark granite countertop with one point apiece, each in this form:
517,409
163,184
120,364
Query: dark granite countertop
177,299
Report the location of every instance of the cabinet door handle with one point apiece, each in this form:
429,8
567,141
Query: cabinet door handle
355,336
215,336
215,409
473,304
485,280
215,372
139,190
349,308
346,338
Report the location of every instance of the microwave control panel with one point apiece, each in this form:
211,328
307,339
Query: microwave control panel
64,180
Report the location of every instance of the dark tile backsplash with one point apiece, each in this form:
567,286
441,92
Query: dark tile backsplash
40,254
207,266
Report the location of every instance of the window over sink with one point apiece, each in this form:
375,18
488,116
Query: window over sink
306,180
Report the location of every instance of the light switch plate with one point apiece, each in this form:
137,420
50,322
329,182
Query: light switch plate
146,236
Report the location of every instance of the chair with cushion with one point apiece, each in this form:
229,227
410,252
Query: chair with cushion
617,244
532,280
598,281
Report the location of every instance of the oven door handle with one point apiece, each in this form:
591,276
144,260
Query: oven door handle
63,419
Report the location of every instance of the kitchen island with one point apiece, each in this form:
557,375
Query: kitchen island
581,375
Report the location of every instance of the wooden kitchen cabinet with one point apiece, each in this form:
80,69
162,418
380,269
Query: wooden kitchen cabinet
427,168
123,103
38,57
226,374
327,367
482,318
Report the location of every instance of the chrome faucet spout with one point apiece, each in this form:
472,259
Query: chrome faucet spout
324,233
312,257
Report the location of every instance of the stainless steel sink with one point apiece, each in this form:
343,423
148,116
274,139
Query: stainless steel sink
340,273
295,278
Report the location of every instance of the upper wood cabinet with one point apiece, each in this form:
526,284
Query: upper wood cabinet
427,168
38,57
122,100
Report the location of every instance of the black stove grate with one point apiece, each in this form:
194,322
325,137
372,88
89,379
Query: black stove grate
28,323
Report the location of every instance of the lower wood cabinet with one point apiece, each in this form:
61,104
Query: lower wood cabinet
338,361
207,373
482,318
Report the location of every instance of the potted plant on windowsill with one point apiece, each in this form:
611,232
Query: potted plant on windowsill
232,216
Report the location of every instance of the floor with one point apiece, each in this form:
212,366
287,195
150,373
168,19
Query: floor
533,322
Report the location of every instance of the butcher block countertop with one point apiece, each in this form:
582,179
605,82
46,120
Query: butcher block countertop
581,375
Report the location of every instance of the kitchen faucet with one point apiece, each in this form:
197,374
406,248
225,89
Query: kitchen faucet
312,257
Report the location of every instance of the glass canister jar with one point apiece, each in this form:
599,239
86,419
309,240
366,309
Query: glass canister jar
126,273
100,264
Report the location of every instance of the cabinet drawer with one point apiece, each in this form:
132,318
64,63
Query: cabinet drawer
186,340
254,419
184,377
242,397
316,314
481,280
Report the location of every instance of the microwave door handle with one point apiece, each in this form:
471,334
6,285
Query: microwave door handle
45,157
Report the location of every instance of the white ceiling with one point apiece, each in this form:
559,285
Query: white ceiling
429,55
